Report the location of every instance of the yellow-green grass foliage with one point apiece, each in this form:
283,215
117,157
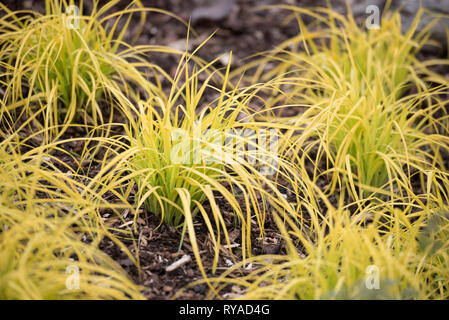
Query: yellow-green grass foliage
64,64
184,153
50,233
373,139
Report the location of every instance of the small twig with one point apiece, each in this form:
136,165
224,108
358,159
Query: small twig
175,265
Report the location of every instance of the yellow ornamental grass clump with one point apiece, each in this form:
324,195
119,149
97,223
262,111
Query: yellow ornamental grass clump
63,64
183,155
374,120
373,138
42,258
387,259
50,233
